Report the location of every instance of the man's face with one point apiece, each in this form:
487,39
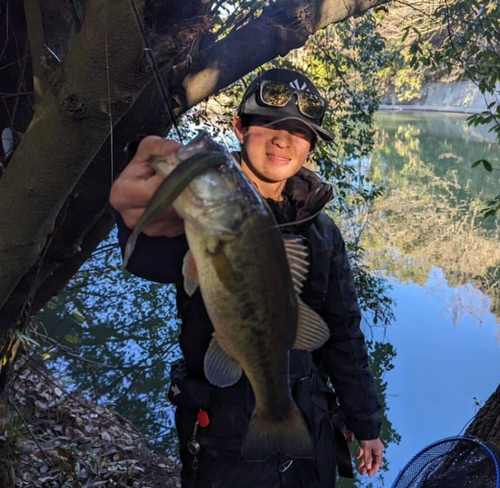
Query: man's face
273,151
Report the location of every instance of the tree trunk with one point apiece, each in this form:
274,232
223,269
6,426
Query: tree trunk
56,185
486,423
464,463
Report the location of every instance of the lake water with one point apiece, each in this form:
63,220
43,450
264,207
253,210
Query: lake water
425,236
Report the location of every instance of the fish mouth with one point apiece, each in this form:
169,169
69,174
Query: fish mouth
171,187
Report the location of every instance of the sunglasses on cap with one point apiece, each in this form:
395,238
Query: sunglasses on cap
276,94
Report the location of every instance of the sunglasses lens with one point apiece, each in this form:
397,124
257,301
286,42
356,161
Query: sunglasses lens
275,94
311,105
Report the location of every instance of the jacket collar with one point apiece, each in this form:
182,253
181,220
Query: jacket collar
308,192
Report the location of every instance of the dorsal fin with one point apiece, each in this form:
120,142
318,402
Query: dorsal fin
312,331
297,254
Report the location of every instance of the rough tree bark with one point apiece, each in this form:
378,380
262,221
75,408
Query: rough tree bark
486,423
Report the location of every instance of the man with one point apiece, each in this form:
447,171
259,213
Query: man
278,123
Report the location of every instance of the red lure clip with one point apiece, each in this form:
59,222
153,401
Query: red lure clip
202,418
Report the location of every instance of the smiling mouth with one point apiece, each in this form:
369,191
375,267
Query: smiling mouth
281,159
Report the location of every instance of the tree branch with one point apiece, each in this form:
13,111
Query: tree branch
36,38
37,189
276,32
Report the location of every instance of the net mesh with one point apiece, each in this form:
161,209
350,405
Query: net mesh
455,462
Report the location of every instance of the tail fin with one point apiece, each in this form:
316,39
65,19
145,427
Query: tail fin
288,435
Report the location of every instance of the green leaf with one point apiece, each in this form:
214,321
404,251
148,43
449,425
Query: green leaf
72,339
24,338
381,8
76,314
487,165
405,35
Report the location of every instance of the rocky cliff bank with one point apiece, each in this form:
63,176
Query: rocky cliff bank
456,96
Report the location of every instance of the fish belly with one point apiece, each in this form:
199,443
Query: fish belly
248,292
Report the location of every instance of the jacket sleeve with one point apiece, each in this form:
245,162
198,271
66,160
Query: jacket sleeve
344,356
154,258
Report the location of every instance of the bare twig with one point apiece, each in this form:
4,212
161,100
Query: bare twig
14,95
35,440
57,345
7,23
234,22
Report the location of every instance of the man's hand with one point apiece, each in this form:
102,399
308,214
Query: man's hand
370,453
137,183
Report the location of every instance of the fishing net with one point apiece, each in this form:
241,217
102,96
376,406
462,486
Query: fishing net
454,462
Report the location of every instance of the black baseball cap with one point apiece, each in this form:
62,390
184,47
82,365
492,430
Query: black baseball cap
252,104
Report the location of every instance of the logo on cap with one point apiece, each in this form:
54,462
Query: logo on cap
295,84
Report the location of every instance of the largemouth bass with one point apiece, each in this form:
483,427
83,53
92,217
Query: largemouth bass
250,279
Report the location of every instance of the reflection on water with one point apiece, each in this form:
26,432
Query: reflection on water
443,127
430,214
425,234
121,335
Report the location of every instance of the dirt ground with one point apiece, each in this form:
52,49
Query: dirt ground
56,439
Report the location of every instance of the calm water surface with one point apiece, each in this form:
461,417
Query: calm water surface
442,259
425,235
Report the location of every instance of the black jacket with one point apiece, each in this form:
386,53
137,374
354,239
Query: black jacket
329,290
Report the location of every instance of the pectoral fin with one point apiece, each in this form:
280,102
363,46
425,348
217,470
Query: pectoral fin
312,331
190,274
220,369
